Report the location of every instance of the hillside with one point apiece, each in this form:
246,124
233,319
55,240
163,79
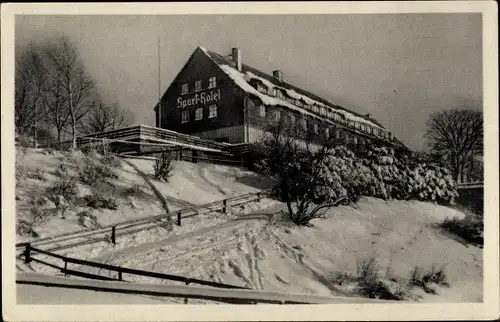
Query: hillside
256,246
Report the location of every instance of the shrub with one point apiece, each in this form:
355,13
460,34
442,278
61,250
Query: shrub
87,219
63,187
340,278
371,285
91,170
101,196
134,190
39,174
379,172
423,277
470,228
62,170
20,173
26,228
163,166
111,161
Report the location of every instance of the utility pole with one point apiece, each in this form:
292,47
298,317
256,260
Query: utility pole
159,83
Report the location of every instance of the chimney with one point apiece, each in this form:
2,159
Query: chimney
236,53
278,75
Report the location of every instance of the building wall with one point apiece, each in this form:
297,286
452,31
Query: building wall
227,125
258,125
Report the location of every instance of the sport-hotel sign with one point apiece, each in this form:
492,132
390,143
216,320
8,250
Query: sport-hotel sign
199,98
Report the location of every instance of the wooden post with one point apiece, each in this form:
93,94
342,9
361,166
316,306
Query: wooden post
224,204
179,218
258,196
120,276
27,253
65,268
186,298
113,235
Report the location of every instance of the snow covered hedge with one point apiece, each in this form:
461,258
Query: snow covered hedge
378,172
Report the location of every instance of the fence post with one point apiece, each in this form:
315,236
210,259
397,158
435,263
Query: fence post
224,204
27,253
120,276
179,218
258,196
65,271
113,235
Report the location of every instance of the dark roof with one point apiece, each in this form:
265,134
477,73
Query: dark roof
219,59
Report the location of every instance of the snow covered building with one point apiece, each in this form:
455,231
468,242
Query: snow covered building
219,98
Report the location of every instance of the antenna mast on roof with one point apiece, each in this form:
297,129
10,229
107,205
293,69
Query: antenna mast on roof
159,82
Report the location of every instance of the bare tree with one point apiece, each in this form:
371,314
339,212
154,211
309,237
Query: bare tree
293,157
456,135
29,86
73,85
105,117
56,109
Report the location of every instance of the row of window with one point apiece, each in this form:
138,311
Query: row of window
198,113
198,85
321,110
356,125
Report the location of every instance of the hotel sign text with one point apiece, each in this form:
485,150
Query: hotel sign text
199,98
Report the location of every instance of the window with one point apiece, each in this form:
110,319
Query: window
279,94
185,88
198,114
337,134
185,117
327,133
315,127
355,140
277,115
322,111
212,111
292,119
212,82
197,85
263,110
303,122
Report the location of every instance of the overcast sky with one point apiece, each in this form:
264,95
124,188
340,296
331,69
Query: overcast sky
398,67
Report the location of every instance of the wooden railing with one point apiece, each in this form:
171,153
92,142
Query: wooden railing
111,233
30,251
235,296
167,137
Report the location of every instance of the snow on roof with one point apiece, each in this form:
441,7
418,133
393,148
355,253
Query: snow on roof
239,79
242,81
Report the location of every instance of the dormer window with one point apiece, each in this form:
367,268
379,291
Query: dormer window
185,88
279,94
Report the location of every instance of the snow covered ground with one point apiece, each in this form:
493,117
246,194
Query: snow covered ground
257,247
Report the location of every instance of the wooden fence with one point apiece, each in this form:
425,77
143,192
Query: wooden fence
111,233
30,251
235,296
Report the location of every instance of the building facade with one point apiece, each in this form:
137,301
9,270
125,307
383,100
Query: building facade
219,98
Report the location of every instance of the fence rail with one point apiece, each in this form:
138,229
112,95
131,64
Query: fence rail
112,232
30,251
236,296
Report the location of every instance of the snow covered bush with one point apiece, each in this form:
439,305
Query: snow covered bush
470,228
378,172
163,166
92,170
